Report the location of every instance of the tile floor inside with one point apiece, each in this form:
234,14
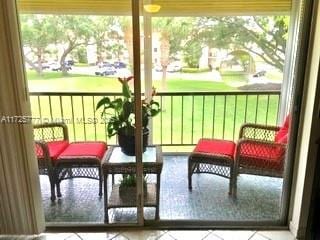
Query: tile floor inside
161,235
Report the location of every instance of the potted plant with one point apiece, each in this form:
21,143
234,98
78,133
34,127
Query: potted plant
121,119
127,187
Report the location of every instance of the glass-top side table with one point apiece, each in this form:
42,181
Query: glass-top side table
116,162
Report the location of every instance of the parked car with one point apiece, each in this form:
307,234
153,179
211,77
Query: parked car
173,68
119,64
45,66
104,64
170,68
104,71
57,67
158,68
69,62
123,72
260,74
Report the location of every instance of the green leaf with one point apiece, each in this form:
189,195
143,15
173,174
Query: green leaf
154,112
117,105
103,101
128,108
126,90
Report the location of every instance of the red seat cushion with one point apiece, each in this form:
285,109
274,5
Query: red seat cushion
260,155
76,150
55,148
215,146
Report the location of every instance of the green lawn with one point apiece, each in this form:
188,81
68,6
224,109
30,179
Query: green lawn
195,85
211,116
55,82
184,119
234,76
81,64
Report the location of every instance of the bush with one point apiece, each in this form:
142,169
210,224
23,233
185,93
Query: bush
195,70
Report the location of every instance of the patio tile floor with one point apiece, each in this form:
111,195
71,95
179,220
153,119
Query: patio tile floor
258,198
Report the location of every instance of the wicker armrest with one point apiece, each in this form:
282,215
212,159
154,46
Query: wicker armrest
258,132
51,131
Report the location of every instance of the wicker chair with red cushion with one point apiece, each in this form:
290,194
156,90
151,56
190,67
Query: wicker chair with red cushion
60,159
261,150
51,139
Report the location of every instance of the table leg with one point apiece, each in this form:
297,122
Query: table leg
100,181
158,196
190,170
231,180
105,182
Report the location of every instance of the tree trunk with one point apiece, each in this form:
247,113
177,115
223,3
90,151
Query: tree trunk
164,78
39,60
64,69
35,67
164,59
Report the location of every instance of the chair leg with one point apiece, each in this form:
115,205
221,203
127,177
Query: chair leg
58,190
52,188
100,181
52,180
231,181
234,182
190,174
58,183
105,189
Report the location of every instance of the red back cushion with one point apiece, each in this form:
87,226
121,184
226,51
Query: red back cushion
257,154
282,135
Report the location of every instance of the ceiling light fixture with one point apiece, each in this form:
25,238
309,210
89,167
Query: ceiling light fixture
151,8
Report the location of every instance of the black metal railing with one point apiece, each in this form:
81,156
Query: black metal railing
185,116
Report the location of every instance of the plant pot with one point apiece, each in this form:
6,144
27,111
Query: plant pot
127,142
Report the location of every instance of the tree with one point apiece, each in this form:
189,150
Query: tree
37,33
261,35
72,31
172,32
80,53
126,27
102,31
246,60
